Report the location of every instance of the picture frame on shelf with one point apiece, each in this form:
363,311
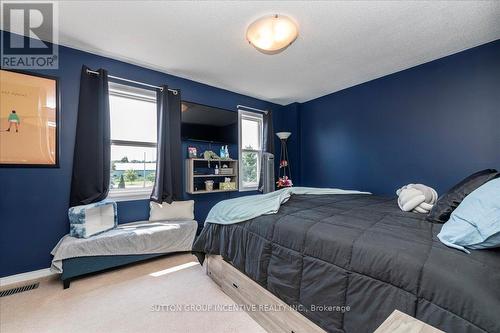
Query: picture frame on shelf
192,152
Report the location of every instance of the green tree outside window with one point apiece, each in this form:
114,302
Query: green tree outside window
249,167
130,176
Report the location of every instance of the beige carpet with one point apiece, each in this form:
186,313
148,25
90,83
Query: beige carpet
122,300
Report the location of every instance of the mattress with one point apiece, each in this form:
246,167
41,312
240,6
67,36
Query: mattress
347,261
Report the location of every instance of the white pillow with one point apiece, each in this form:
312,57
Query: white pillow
176,211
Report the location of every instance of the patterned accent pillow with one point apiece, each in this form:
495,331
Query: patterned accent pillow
89,220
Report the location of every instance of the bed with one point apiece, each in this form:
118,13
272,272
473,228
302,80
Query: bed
362,252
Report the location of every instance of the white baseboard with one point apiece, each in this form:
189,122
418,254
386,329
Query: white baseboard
28,276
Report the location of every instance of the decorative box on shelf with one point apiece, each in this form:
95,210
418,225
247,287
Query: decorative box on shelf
226,171
227,186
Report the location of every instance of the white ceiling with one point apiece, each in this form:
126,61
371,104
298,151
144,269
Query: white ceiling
340,44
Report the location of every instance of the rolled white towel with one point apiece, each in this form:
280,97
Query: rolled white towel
417,198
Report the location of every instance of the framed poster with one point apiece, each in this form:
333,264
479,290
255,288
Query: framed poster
29,120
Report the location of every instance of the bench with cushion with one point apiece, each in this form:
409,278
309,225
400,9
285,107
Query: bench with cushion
128,243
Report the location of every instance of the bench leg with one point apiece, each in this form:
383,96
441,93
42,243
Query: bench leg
66,283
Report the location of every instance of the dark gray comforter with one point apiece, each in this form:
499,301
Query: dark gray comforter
361,251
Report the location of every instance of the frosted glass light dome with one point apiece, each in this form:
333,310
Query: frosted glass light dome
272,34
283,135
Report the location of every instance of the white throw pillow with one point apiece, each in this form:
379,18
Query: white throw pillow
176,211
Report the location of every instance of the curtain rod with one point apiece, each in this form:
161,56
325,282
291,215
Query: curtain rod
250,108
132,81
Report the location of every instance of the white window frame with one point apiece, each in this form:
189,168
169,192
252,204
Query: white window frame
251,116
121,90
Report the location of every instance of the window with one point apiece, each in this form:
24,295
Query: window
133,141
250,149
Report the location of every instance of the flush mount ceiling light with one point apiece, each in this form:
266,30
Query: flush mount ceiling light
272,34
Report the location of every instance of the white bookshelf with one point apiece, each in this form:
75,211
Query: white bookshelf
199,169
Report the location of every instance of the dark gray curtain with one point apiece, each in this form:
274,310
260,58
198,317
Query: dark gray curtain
168,181
267,142
91,159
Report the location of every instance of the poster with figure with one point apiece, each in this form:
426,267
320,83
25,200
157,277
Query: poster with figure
29,120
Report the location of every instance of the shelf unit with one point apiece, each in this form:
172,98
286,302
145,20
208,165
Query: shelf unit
209,176
198,170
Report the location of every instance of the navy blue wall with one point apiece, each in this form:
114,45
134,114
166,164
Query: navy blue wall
34,202
434,123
